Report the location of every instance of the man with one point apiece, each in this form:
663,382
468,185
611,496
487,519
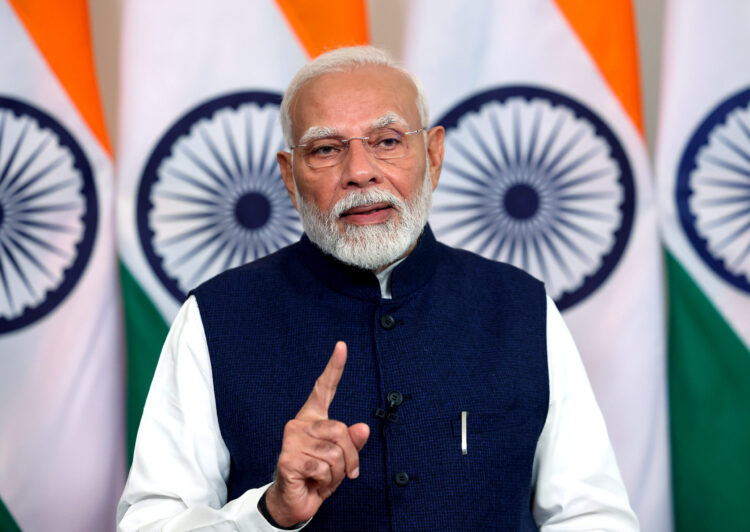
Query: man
460,400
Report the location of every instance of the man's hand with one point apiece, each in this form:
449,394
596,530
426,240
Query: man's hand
316,452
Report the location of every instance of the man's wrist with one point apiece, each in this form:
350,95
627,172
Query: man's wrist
266,513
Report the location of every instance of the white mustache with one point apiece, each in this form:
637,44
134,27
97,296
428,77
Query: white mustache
359,199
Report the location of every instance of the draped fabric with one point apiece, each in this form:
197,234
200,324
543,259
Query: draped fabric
199,187
703,173
61,432
546,168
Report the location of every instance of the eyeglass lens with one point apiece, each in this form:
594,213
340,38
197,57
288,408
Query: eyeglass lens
383,143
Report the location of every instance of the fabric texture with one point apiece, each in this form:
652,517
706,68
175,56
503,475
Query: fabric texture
62,456
703,166
546,168
180,476
443,351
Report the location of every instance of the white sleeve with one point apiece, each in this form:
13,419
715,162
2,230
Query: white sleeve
577,485
181,464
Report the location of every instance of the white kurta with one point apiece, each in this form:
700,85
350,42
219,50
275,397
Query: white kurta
181,464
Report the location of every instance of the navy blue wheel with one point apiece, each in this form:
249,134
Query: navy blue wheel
536,179
48,213
211,195
713,190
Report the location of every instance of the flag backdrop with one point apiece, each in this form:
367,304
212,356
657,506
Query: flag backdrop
199,187
546,168
61,430
703,170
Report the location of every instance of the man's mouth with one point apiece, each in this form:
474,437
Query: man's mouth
368,214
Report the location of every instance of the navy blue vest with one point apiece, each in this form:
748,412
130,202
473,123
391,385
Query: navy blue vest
461,334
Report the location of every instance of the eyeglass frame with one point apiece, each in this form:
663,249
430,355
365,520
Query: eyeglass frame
363,139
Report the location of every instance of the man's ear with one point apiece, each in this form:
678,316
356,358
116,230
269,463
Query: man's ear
285,165
435,150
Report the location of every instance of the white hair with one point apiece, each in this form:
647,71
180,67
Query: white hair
344,60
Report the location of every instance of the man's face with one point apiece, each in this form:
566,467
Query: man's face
363,202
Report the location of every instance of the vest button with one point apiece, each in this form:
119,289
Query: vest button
394,399
387,322
402,479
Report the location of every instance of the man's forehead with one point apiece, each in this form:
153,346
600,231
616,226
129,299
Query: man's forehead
389,119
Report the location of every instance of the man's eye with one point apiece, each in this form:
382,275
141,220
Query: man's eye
324,150
388,142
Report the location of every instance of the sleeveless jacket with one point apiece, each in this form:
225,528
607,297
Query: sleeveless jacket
461,333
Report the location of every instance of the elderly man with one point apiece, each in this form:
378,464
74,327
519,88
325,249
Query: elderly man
460,399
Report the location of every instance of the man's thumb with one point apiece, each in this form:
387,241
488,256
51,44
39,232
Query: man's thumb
359,432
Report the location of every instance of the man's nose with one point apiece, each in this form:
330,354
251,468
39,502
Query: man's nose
360,168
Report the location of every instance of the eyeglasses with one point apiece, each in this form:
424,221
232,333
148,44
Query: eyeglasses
382,143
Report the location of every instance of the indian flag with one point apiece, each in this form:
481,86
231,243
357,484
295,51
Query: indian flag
546,168
703,170
61,431
199,187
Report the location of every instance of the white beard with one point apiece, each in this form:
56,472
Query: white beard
370,247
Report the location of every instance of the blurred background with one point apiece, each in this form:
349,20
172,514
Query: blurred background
387,23
602,146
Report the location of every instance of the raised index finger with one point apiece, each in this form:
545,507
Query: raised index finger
316,406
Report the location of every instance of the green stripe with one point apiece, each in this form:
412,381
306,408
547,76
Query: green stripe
709,395
145,333
7,524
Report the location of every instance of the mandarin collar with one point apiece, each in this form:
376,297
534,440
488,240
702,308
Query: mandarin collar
412,273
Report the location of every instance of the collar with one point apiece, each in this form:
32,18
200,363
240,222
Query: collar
384,278
411,273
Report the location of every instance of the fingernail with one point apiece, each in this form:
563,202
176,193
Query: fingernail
355,473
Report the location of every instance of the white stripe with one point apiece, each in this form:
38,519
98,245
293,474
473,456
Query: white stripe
61,434
464,49
175,56
706,54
